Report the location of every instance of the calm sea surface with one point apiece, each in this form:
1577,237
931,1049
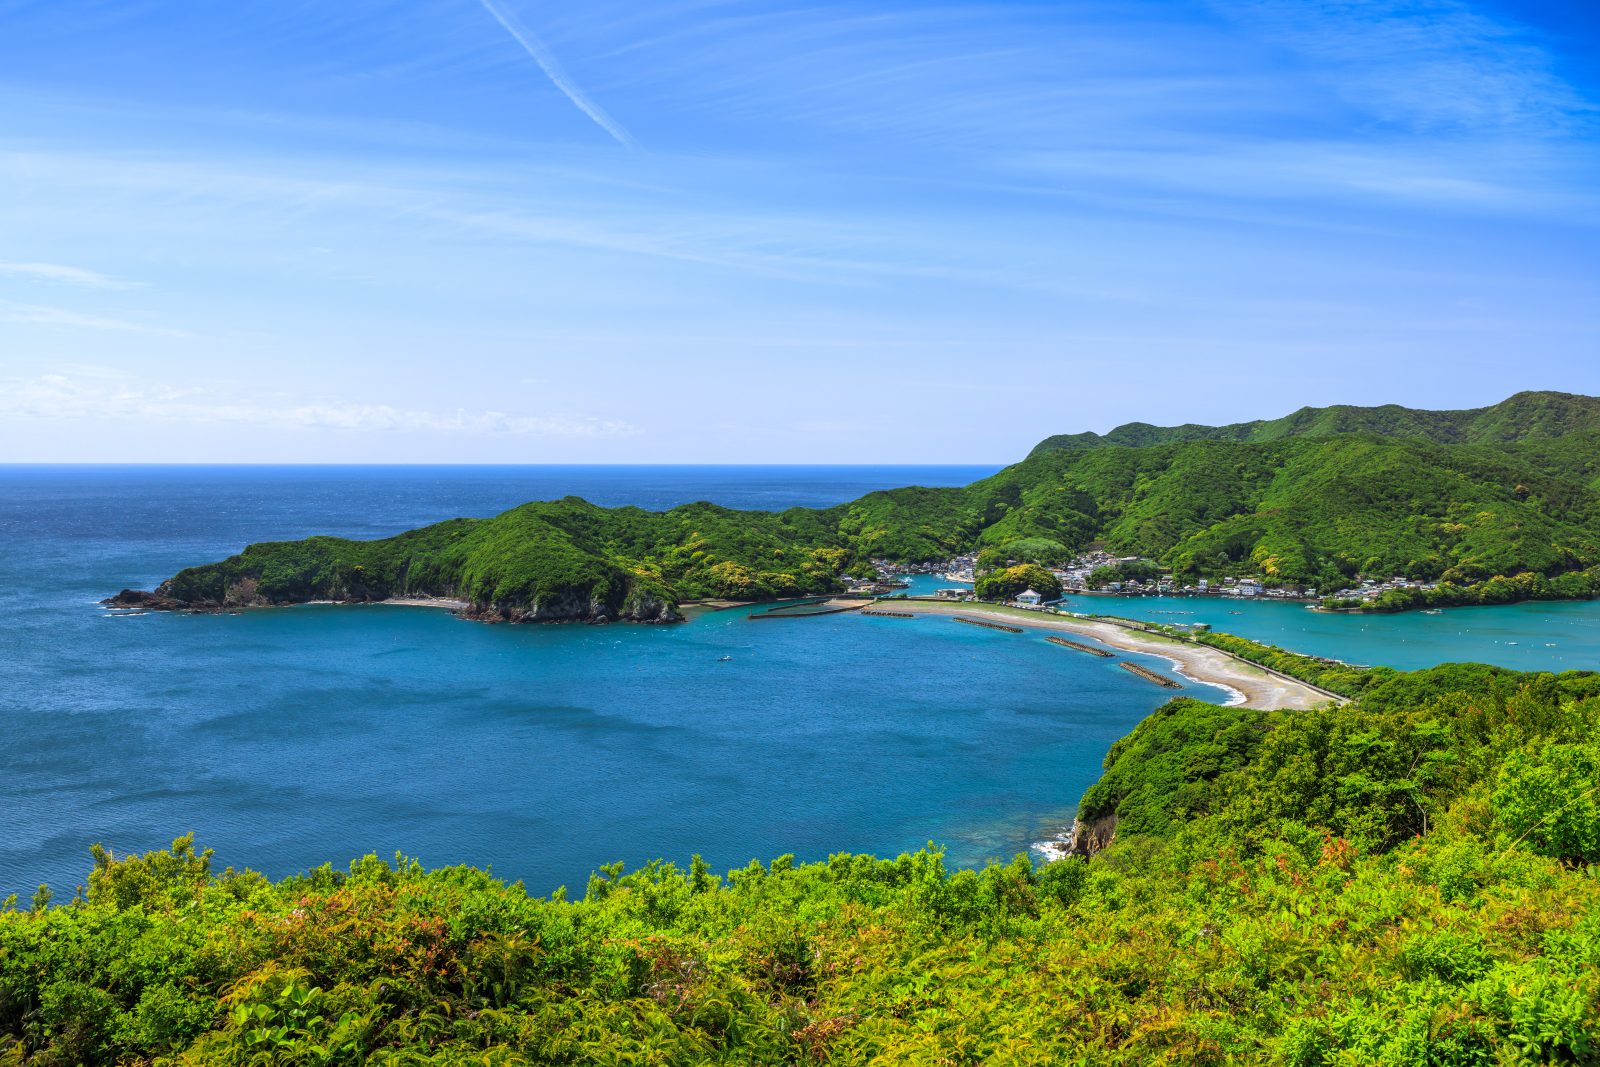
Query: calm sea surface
292,737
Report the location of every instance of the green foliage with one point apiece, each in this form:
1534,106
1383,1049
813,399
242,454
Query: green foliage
1329,674
1377,771
1007,582
156,879
1495,589
1040,550
1501,504
1161,774
1531,418
1550,798
560,559
1141,570
1399,880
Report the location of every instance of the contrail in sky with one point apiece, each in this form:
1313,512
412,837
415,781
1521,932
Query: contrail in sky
547,63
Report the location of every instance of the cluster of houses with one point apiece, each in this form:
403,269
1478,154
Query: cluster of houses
1372,589
1075,579
1075,575
957,568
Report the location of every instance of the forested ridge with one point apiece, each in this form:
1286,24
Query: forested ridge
1494,504
1407,879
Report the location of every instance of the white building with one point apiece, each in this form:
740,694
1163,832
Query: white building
1028,596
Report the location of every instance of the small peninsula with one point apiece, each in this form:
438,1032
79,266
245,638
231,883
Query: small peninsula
1487,505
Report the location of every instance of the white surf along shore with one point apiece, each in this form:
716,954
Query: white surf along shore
448,603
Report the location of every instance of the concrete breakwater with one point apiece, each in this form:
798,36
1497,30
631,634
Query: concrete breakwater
989,625
1149,675
889,614
807,608
1080,647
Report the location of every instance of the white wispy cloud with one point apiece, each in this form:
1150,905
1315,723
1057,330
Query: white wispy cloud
557,74
38,315
1426,64
65,275
104,395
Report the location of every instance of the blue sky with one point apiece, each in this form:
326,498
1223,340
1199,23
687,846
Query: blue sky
516,231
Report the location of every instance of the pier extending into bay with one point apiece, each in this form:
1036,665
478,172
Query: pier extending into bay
807,609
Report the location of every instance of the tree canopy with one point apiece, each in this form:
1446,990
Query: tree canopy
1495,505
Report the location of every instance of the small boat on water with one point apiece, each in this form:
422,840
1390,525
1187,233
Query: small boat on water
724,659
1432,611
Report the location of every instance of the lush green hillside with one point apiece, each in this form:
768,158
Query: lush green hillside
1314,511
1531,415
557,560
1405,880
1510,511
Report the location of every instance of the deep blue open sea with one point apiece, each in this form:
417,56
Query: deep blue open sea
286,738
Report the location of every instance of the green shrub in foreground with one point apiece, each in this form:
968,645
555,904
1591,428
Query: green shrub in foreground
1403,880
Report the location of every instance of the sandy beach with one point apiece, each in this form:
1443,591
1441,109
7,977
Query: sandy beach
691,608
1252,686
427,602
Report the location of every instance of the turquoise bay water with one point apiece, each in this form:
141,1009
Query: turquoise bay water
291,737
1548,636
1545,636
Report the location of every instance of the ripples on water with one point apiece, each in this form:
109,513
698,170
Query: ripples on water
286,738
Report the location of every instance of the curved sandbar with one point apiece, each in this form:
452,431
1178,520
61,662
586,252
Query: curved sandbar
1253,686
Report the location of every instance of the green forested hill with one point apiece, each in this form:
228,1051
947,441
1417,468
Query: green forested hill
549,560
1407,880
1499,504
1523,416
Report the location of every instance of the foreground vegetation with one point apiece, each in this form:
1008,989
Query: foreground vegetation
1405,879
1497,504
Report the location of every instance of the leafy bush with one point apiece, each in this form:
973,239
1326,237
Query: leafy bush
1398,881
1550,798
1007,582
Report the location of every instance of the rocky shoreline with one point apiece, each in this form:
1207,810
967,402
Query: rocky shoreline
1083,839
570,608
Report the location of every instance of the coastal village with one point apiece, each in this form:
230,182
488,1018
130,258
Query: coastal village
1100,573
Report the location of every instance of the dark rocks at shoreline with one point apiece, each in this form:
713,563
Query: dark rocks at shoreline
577,608
571,608
144,600
1087,839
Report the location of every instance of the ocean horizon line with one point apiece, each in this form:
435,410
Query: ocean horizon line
96,464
